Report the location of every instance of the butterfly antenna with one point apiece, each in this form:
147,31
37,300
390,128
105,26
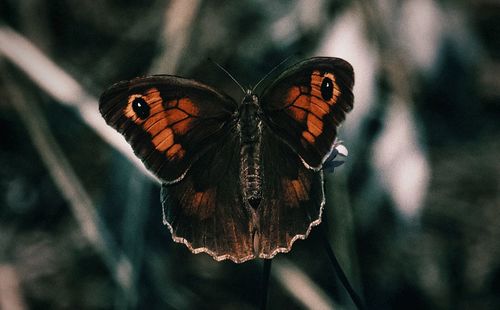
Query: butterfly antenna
229,74
272,70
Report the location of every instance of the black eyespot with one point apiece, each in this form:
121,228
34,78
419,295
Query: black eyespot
140,108
327,89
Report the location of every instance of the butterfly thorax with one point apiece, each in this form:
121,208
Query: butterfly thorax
250,126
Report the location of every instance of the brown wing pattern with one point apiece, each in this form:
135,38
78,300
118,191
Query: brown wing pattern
292,200
307,103
206,211
169,121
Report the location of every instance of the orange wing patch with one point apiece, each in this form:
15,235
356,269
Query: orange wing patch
175,151
308,136
314,124
164,139
203,204
295,191
166,120
308,105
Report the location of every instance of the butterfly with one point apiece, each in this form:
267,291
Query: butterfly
239,181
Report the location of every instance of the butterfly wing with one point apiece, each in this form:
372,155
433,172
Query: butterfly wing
169,121
302,111
307,103
206,211
292,200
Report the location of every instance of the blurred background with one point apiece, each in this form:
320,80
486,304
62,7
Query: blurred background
413,215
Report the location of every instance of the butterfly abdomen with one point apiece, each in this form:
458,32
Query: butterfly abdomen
250,135
250,174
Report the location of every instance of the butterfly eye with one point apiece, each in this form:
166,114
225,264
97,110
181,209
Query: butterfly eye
327,89
140,108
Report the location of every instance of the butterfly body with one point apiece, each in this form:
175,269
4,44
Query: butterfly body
250,129
244,180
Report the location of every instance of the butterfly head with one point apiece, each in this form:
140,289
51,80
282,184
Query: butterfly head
250,98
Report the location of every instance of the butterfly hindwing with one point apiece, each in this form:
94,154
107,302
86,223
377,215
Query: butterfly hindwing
307,103
169,121
205,210
292,200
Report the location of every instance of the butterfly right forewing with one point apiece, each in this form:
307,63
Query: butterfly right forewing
307,104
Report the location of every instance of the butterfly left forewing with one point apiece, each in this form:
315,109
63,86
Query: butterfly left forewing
169,121
307,103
